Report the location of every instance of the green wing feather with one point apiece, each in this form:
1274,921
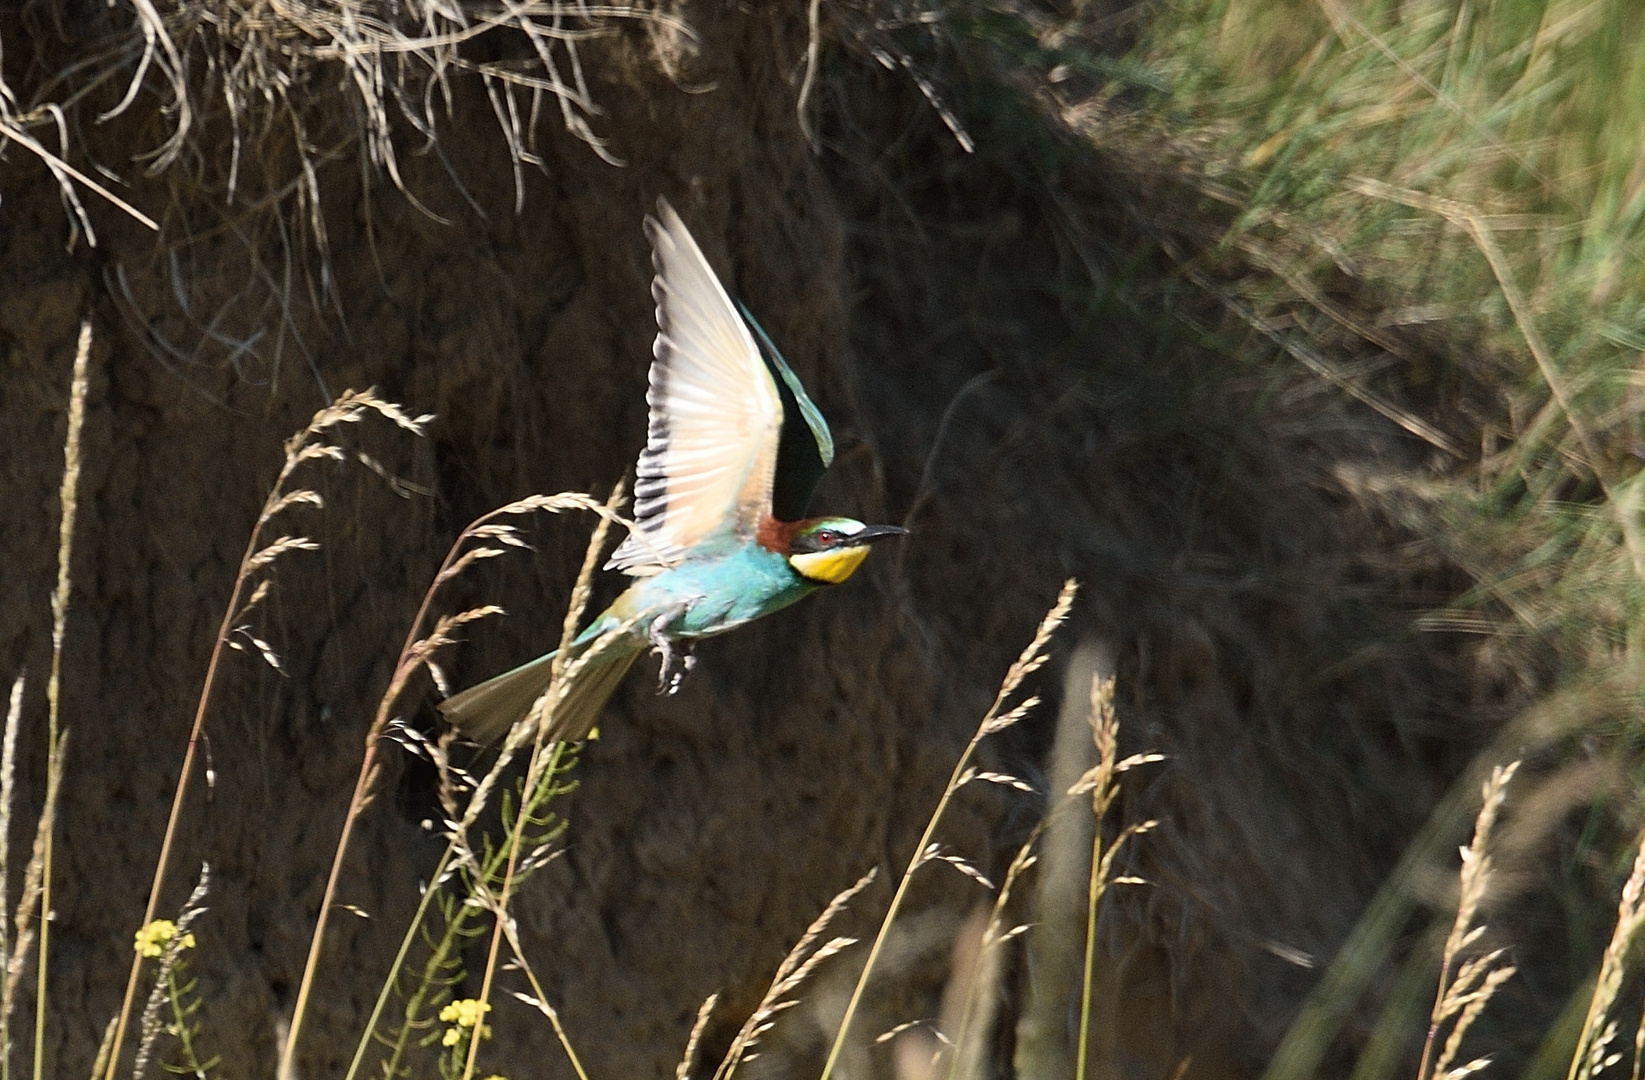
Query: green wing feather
803,452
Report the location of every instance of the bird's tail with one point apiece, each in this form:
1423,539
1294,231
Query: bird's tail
485,713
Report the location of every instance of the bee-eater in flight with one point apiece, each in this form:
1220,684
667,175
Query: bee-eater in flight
734,448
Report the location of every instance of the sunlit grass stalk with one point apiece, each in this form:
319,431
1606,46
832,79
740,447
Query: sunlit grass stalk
1102,781
688,1060
798,966
8,790
23,921
1589,1057
1466,988
995,935
304,446
1032,658
541,768
56,736
414,655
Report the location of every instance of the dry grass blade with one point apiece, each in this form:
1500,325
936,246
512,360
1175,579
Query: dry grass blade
302,447
1034,656
543,763
1029,661
150,1025
278,548
56,735
1630,916
1464,991
102,1060
269,76
688,1060
539,1001
33,876
981,991
796,967
959,863
1002,779
12,128
1479,230
8,792
1102,780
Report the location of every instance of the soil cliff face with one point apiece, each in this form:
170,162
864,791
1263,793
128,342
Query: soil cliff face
709,828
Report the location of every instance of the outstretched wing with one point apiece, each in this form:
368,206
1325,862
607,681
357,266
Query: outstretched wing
716,417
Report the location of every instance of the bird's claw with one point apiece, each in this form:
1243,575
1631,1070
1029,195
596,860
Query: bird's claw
676,656
676,666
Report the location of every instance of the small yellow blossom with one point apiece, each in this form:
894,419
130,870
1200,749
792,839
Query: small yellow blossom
464,1012
456,1034
152,939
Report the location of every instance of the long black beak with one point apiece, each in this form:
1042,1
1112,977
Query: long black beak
873,533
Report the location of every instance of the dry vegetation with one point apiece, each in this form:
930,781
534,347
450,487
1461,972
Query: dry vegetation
1428,211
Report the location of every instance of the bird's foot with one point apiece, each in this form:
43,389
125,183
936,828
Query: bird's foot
676,656
676,666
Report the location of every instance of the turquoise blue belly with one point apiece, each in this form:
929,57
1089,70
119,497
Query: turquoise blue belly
710,595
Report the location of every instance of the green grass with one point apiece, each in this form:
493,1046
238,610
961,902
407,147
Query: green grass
1455,191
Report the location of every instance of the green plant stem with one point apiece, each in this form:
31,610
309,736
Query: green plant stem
399,962
181,1011
539,786
540,773
456,927
412,657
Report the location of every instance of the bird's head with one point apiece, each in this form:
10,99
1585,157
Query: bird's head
829,550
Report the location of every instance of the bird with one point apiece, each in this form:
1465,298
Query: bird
734,449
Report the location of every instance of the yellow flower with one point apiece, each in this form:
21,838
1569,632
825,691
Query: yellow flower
464,1012
456,1034
152,939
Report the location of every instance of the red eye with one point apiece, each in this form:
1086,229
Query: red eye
827,537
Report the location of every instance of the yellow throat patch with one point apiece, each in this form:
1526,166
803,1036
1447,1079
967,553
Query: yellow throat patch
830,567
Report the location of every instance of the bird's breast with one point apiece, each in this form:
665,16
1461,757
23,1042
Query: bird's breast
715,593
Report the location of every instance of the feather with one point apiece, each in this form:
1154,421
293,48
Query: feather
486,713
715,413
